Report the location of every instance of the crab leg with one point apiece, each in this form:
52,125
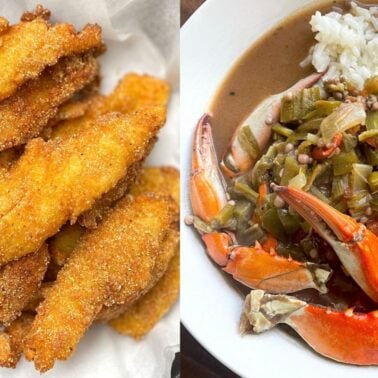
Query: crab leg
207,186
354,244
259,269
347,336
252,266
237,159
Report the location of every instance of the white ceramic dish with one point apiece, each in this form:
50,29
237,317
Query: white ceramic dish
211,41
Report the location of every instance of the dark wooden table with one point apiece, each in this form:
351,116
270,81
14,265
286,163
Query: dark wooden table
196,362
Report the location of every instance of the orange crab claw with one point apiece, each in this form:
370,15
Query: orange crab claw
346,336
207,187
237,159
257,268
354,244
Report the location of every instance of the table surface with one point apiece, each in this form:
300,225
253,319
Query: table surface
196,362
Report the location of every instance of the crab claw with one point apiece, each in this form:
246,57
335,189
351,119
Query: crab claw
207,187
354,244
238,158
259,269
347,336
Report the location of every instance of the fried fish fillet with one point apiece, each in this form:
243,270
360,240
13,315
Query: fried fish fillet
27,48
132,92
19,281
57,180
28,111
12,340
142,316
118,303
114,263
158,180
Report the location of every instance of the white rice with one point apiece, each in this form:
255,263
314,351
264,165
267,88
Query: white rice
347,45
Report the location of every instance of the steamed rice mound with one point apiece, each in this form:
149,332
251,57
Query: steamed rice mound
347,44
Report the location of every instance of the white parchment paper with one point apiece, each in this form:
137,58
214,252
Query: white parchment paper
141,36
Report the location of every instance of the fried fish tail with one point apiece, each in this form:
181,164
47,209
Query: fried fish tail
20,280
25,114
119,256
143,315
12,340
57,180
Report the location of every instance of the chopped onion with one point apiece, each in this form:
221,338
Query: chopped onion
341,119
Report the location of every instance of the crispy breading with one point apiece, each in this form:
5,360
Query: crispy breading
38,297
73,108
91,218
142,316
8,158
57,180
158,180
118,303
12,340
132,92
19,281
114,262
29,47
63,243
28,111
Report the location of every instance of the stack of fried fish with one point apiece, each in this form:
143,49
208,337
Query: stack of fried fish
86,233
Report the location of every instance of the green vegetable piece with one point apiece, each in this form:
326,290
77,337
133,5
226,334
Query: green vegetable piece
371,155
201,226
317,193
358,203
270,221
282,130
359,177
339,186
372,120
373,181
311,177
243,211
294,109
249,143
325,107
342,163
223,217
250,235
368,134
310,125
290,222
291,169
245,191
299,181
341,206
374,202
349,142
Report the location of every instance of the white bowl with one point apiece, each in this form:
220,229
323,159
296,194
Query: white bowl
211,41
